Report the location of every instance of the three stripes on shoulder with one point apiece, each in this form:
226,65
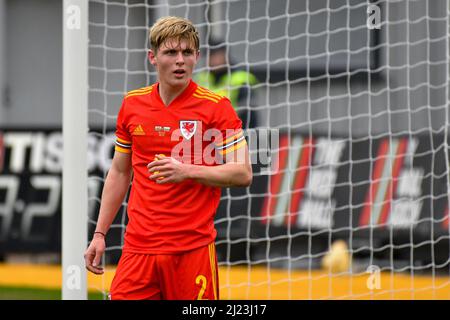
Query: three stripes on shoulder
200,92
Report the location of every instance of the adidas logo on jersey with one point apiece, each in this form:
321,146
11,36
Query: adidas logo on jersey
138,131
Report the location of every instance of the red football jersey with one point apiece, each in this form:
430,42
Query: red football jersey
197,126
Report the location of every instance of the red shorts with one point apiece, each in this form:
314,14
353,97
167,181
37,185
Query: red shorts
192,275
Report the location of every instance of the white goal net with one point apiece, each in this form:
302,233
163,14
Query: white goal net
354,96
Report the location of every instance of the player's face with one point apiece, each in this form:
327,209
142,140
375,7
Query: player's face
174,61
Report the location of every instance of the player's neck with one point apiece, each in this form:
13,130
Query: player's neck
169,93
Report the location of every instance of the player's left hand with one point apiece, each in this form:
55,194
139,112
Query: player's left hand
167,170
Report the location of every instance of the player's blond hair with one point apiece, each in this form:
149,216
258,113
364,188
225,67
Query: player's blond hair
173,28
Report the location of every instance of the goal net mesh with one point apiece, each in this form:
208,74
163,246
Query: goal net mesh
349,145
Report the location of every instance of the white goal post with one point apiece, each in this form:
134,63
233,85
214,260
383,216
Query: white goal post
75,133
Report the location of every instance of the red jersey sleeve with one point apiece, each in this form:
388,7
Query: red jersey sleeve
228,123
123,136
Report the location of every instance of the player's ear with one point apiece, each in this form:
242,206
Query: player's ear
197,56
152,57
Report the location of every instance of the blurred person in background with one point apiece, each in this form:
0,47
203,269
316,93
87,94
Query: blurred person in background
225,78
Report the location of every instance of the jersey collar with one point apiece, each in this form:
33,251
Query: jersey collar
190,89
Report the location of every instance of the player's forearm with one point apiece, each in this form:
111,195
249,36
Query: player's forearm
114,191
226,175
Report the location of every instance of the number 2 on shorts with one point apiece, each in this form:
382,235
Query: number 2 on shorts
201,278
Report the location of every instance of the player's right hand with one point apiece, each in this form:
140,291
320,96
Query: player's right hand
93,254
